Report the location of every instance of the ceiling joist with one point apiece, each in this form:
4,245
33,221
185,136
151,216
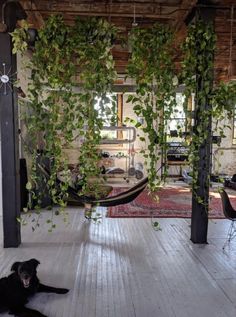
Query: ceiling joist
145,13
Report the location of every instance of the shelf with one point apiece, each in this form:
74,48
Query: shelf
177,163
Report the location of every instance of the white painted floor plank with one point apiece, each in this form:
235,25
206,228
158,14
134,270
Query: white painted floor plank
123,268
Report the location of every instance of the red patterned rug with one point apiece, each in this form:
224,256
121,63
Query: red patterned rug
173,203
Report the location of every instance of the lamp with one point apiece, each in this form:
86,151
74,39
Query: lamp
134,23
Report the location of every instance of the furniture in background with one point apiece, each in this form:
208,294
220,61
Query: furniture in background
230,182
230,213
176,158
120,162
23,182
186,177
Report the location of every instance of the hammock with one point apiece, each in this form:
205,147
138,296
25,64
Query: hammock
123,198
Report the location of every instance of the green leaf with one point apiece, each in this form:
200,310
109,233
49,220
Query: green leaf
28,186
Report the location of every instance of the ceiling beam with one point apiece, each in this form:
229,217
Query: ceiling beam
105,14
34,17
190,4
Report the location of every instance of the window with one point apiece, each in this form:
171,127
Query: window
107,109
177,128
110,110
176,125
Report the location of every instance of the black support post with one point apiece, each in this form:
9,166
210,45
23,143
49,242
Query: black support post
12,11
200,206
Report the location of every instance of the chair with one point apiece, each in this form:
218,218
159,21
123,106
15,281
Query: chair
230,213
231,182
187,178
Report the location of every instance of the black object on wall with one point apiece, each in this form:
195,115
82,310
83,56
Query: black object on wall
42,189
9,128
23,182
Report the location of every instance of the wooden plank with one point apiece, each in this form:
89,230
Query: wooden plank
123,267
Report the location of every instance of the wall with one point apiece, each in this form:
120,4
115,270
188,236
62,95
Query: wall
224,156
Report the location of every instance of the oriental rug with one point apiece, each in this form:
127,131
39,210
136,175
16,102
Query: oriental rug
172,202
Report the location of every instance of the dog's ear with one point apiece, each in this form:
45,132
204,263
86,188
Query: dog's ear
15,266
34,262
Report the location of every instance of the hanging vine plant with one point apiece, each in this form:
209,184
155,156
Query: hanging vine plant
57,115
198,64
93,52
151,65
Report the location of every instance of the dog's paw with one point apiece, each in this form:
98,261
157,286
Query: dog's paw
62,291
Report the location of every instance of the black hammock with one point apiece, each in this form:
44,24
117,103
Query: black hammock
123,198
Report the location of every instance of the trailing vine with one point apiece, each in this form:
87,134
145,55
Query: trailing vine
151,65
57,115
197,76
20,38
94,40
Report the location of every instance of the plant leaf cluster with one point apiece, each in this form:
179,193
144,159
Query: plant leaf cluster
57,114
151,65
197,76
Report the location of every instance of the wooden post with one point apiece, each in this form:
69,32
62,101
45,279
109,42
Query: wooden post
199,220
12,11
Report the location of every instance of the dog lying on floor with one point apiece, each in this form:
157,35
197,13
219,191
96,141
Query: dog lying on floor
18,287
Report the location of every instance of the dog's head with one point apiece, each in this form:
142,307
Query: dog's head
25,270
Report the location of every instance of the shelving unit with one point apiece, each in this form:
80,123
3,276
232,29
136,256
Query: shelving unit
126,137
176,157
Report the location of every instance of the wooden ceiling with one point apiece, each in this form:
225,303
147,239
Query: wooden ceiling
144,13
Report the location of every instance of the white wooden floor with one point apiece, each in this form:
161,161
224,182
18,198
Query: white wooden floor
123,268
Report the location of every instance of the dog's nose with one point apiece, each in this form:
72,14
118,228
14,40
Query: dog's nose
26,276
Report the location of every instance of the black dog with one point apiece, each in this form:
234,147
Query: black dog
17,288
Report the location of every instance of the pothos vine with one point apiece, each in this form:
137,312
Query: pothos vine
152,67
197,75
56,114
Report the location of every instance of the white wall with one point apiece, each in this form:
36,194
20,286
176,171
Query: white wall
224,156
